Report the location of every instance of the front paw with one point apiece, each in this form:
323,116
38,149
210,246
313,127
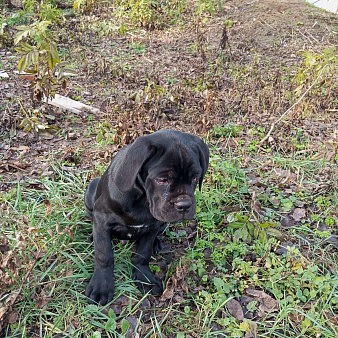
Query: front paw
146,281
101,287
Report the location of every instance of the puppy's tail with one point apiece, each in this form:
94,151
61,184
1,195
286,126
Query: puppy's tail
89,197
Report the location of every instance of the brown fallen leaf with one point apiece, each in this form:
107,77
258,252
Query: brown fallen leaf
267,303
334,320
328,152
121,304
40,299
133,321
49,207
4,311
298,214
20,148
4,248
7,314
249,335
20,165
296,317
68,231
176,282
286,174
235,309
168,293
13,316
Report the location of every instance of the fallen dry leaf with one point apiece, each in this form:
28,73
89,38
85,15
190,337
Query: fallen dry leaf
4,248
235,309
334,320
249,335
267,303
296,317
49,207
40,299
328,152
133,320
176,282
298,214
286,174
20,148
121,304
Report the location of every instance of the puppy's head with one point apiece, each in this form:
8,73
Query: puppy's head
168,165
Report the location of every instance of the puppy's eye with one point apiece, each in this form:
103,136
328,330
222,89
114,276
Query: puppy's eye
162,181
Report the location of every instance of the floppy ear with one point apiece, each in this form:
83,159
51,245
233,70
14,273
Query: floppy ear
203,152
128,169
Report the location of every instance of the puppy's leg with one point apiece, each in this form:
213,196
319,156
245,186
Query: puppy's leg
90,195
89,200
145,280
101,286
157,247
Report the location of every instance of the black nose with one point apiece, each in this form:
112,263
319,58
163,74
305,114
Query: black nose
183,206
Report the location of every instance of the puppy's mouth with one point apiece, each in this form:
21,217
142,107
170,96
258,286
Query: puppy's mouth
172,215
172,219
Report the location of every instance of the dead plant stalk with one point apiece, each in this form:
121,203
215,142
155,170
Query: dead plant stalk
288,110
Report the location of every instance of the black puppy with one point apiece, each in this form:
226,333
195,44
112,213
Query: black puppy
148,184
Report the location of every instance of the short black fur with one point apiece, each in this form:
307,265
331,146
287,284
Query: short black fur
148,184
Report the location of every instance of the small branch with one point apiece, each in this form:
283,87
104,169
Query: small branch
26,276
332,327
295,104
13,166
88,157
23,108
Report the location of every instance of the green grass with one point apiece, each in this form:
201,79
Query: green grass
56,240
47,230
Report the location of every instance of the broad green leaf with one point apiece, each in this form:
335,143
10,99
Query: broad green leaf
22,64
69,70
242,234
267,224
110,325
20,35
218,282
262,236
268,262
111,314
50,62
24,122
29,59
54,52
273,232
31,71
96,334
35,57
241,218
99,137
26,46
125,326
236,225
251,229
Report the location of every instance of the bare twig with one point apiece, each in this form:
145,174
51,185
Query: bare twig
295,104
88,157
332,327
23,108
26,276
